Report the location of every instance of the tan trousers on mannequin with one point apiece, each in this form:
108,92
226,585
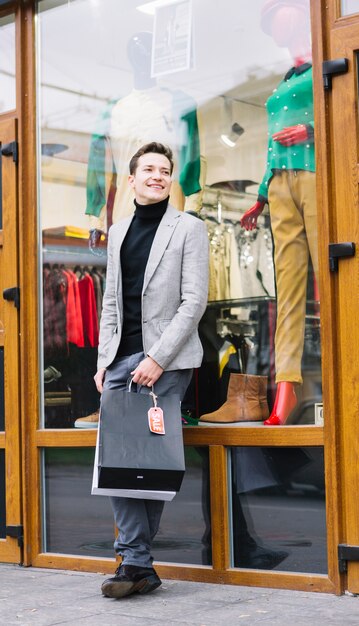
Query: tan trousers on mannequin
293,212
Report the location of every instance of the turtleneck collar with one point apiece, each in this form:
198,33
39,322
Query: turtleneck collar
151,211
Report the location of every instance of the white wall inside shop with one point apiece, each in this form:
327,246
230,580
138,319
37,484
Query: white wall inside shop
63,193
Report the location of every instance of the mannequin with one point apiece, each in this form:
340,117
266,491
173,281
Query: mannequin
147,112
289,188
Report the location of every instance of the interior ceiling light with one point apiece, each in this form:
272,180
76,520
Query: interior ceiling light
150,7
231,138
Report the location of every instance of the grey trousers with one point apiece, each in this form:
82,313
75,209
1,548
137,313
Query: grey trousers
138,520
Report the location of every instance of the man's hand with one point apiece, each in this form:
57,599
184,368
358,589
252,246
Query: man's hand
147,372
99,378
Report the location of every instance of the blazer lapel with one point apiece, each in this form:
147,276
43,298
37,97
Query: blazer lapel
163,235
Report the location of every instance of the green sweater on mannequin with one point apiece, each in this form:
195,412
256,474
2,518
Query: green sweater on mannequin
290,104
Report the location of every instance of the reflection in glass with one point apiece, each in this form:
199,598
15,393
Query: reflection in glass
7,64
74,521
348,7
185,531
278,509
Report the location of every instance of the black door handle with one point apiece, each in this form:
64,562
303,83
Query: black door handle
12,295
338,251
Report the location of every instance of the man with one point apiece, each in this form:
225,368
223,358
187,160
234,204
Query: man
156,293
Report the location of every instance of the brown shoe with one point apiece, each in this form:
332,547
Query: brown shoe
129,579
246,401
90,421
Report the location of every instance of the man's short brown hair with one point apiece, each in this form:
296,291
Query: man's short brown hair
155,147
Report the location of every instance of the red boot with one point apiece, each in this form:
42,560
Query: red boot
284,403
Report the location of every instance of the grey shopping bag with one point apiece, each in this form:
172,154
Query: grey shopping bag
132,461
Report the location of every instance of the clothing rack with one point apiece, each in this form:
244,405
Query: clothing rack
72,303
70,256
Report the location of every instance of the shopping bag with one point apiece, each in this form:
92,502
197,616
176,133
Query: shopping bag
130,460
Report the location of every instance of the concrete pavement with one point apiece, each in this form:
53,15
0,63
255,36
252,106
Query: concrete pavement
45,597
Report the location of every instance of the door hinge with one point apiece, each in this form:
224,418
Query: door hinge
332,68
12,295
11,149
339,251
17,532
347,553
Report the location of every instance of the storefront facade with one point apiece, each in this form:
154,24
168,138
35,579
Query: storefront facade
85,83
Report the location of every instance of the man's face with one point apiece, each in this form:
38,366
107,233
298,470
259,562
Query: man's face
151,181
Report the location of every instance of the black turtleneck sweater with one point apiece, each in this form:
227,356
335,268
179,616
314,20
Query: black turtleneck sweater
135,251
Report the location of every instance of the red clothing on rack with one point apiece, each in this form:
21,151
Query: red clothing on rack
89,311
74,325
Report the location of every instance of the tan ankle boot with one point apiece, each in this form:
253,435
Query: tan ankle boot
263,384
245,401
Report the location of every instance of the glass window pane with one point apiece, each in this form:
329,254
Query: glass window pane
278,509
2,496
75,522
7,64
78,523
349,7
185,531
239,117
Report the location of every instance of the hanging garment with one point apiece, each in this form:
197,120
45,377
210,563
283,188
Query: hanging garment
255,253
74,326
55,286
89,312
225,277
98,292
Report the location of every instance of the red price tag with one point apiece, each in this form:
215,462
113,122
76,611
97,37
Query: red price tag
155,421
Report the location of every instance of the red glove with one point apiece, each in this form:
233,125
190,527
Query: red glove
292,135
249,219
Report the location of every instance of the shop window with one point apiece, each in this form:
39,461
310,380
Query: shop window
231,93
7,64
217,86
278,509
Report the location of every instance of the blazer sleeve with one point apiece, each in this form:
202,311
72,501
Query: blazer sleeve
108,322
194,294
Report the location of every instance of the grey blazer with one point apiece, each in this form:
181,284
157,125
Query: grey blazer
174,294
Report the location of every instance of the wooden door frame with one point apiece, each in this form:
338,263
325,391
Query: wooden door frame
28,266
343,36
321,52
34,439
10,547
